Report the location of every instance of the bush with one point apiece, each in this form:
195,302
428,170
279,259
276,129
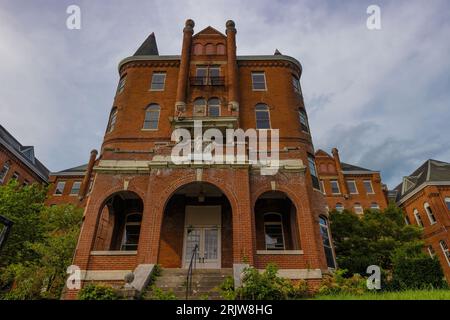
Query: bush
337,284
413,269
97,292
159,294
263,286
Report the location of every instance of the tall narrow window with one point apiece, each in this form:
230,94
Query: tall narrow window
418,218
429,212
112,120
158,81
262,116
273,229
335,187
339,207
431,252
296,84
313,171
303,120
15,176
445,250
199,107
152,117
407,222
121,84
214,76
258,81
75,188
368,186
59,190
322,186
213,107
447,202
326,239
351,185
210,49
4,171
198,49
132,230
358,208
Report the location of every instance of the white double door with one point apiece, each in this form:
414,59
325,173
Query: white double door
202,229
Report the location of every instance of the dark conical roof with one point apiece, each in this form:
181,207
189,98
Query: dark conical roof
148,47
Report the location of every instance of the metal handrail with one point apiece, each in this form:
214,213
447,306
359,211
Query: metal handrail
192,265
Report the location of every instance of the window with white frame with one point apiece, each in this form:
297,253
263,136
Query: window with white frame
374,206
121,84
199,107
213,107
418,218
429,212
368,186
431,251
335,187
258,81
262,116
326,240
322,186
358,208
75,188
158,81
339,207
132,230
445,250
447,202
273,230
59,190
351,185
407,222
15,176
151,117
4,171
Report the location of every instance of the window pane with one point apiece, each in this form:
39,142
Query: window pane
447,201
121,84
75,188
358,209
303,120
259,81
158,80
60,187
214,72
339,207
324,232
334,186
151,117
274,236
352,187
368,186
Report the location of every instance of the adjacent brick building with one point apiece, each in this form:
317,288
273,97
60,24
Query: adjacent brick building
347,186
19,162
145,209
425,198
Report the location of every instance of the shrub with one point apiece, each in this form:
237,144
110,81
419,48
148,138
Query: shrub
413,269
226,289
337,284
97,292
159,294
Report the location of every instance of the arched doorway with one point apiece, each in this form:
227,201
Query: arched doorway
197,214
276,223
119,224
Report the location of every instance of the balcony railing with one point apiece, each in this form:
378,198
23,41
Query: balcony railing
207,81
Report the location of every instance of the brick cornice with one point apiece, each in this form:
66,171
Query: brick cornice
264,64
145,64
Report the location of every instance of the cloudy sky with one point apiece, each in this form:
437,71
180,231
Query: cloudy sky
381,96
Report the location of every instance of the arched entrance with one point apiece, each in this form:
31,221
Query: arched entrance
276,223
197,214
119,224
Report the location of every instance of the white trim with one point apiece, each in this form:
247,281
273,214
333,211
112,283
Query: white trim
280,252
337,183
447,202
354,183
444,251
423,185
56,188
265,81
418,218
164,83
429,213
371,186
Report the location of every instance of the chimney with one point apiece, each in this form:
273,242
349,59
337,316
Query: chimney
233,85
341,180
180,104
87,177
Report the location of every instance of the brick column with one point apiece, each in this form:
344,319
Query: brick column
232,69
87,177
341,180
180,104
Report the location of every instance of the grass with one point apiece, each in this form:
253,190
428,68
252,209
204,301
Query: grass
400,295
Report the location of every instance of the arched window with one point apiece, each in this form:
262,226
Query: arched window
326,239
374,206
418,218
213,107
198,49
262,116
429,212
339,207
152,117
4,171
199,107
210,49
131,231
112,120
358,208
273,230
221,49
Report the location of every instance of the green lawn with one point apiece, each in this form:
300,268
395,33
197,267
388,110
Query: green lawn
402,295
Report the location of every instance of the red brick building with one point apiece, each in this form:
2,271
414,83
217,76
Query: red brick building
143,209
347,186
18,162
425,198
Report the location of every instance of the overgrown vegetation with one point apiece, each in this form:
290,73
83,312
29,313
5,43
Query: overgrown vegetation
97,292
40,246
156,293
337,284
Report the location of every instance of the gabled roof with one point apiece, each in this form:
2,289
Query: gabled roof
148,47
210,31
72,171
431,171
24,153
351,167
321,153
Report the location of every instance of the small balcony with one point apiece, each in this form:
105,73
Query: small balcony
207,81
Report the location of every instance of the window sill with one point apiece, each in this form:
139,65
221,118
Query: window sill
113,253
156,90
149,129
280,252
